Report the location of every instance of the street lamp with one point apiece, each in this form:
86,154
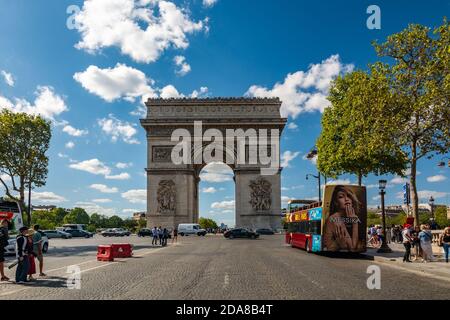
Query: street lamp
384,247
431,203
442,162
318,178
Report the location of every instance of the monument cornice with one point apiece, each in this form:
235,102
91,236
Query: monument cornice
212,101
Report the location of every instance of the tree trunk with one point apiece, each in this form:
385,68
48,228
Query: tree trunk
414,195
22,201
359,178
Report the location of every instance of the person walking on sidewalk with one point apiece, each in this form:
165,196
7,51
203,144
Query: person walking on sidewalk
160,235
407,240
445,241
37,249
426,239
175,235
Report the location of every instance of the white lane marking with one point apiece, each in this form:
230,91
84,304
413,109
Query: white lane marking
65,267
226,280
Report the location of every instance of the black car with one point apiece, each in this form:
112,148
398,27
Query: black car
145,233
264,231
116,232
240,233
76,233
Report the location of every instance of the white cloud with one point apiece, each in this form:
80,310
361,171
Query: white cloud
209,190
292,126
74,132
287,157
335,182
216,172
376,198
170,91
184,67
209,3
8,77
304,91
48,104
142,29
93,166
203,92
437,178
136,196
118,129
115,83
91,208
426,194
70,145
102,200
130,210
399,180
47,197
103,188
123,165
62,155
140,111
285,200
225,205
122,176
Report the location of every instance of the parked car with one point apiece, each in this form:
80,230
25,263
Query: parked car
76,233
190,228
240,233
10,249
115,232
57,234
265,231
145,232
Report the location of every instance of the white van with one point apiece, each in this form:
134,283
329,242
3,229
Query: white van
190,228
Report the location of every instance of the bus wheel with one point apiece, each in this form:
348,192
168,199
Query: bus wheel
307,246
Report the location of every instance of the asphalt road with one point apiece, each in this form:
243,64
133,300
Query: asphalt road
212,267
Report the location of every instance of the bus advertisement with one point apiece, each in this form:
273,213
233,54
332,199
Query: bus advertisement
338,224
10,210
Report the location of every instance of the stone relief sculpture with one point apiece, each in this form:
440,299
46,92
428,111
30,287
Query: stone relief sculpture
261,195
162,154
166,196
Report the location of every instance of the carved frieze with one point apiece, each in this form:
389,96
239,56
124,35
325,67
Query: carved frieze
166,197
261,194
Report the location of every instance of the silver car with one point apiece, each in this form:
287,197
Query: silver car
10,249
57,234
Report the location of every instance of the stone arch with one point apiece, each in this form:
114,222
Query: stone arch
257,195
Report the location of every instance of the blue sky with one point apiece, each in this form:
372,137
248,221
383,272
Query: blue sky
94,77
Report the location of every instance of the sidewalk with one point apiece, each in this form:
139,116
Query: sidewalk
439,269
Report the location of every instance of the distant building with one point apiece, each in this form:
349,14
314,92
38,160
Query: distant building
139,216
395,210
43,208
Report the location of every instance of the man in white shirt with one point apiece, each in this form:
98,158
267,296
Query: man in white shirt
407,240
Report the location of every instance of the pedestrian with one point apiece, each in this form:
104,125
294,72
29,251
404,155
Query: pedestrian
31,255
3,243
37,249
416,242
175,235
22,256
444,240
160,235
426,239
165,237
155,236
407,239
380,235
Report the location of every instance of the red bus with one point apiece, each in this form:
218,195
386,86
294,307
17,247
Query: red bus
336,224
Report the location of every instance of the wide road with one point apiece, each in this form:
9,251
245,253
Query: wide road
212,267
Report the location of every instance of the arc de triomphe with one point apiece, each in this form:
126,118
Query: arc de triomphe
172,187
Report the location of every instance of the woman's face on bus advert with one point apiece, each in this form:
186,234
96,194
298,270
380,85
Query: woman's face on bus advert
343,200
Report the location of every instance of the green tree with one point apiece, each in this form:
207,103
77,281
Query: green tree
206,223
77,215
24,140
355,136
59,214
419,80
440,215
130,224
46,220
115,222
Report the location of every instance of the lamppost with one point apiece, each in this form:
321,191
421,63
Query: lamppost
318,178
442,162
431,203
384,247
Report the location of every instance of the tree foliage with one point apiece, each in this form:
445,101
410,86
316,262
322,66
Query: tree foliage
24,140
419,80
78,216
207,223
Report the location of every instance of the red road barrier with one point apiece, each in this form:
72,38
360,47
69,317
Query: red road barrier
122,250
105,253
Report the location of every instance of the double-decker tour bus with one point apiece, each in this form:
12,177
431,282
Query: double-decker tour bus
338,224
10,210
